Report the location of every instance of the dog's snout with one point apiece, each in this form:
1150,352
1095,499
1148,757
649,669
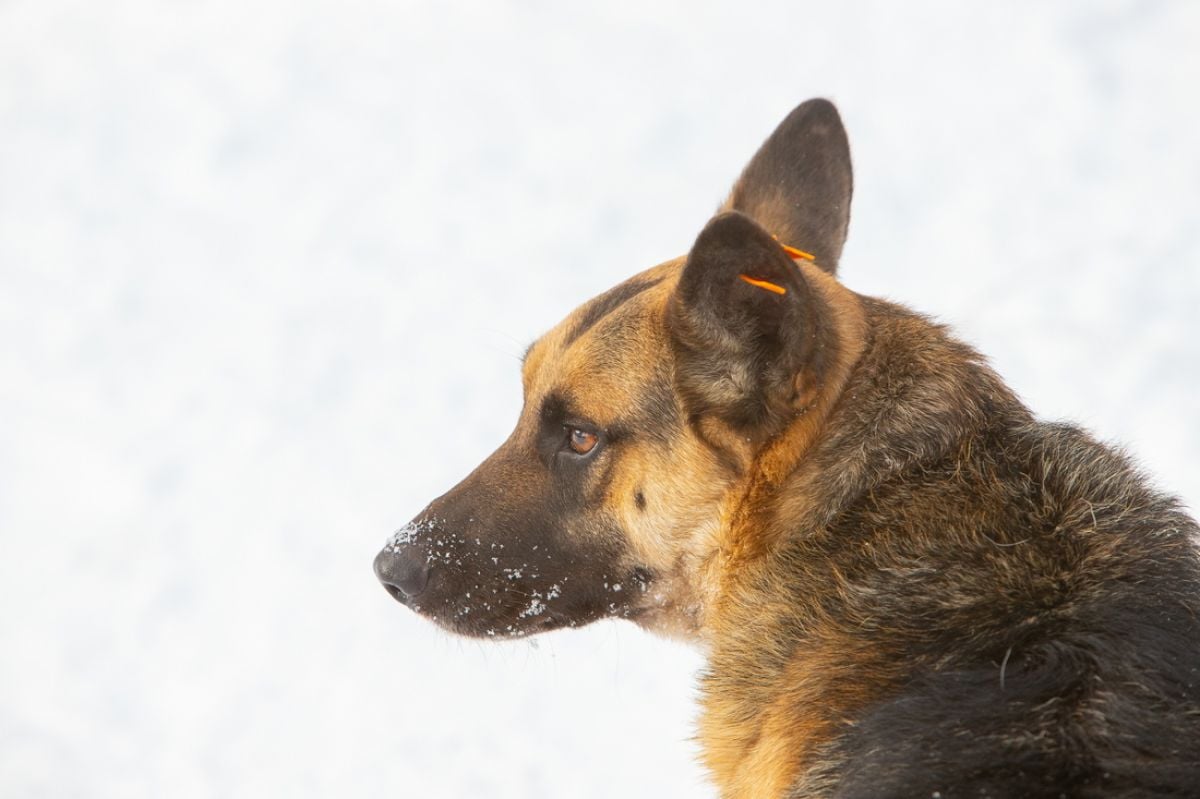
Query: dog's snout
402,573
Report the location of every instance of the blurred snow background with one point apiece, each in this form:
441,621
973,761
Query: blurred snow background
266,268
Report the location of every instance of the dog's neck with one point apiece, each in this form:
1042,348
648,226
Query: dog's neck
776,463
890,407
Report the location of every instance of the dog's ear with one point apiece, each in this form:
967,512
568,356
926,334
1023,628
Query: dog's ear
798,185
752,337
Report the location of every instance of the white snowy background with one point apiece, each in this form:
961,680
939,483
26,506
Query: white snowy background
266,269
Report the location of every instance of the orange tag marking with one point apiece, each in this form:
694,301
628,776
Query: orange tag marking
762,284
793,252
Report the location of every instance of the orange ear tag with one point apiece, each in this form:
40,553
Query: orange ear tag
762,284
793,252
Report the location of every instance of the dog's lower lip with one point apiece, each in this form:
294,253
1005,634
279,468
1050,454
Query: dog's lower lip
511,629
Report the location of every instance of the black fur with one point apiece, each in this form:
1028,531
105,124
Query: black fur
1051,629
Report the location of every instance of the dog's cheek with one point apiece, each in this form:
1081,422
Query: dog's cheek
672,526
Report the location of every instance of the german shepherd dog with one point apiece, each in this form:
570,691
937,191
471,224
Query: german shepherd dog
905,585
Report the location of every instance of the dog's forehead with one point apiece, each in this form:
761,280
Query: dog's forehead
600,345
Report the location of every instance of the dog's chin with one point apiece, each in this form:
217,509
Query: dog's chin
521,610
498,627
670,622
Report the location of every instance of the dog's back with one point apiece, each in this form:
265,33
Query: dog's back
999,607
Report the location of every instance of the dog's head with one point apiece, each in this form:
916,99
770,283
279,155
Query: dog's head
645,413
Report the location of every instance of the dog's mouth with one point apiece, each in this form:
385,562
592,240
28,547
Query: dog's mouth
511,612
507,627
518,612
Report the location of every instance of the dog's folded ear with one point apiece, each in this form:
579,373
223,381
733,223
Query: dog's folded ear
750,333
799,183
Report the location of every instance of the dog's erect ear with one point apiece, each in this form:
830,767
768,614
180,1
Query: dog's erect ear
799,183
751,336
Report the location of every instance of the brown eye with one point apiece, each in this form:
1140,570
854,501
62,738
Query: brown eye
581,442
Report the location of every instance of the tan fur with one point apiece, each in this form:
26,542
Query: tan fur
682,481
699,525
705,532
755,752
779,459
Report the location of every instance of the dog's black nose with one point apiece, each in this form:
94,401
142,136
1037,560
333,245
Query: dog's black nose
404,575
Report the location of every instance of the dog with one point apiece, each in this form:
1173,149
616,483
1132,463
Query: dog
905,584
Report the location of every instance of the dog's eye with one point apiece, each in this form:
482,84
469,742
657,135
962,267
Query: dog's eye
581,442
